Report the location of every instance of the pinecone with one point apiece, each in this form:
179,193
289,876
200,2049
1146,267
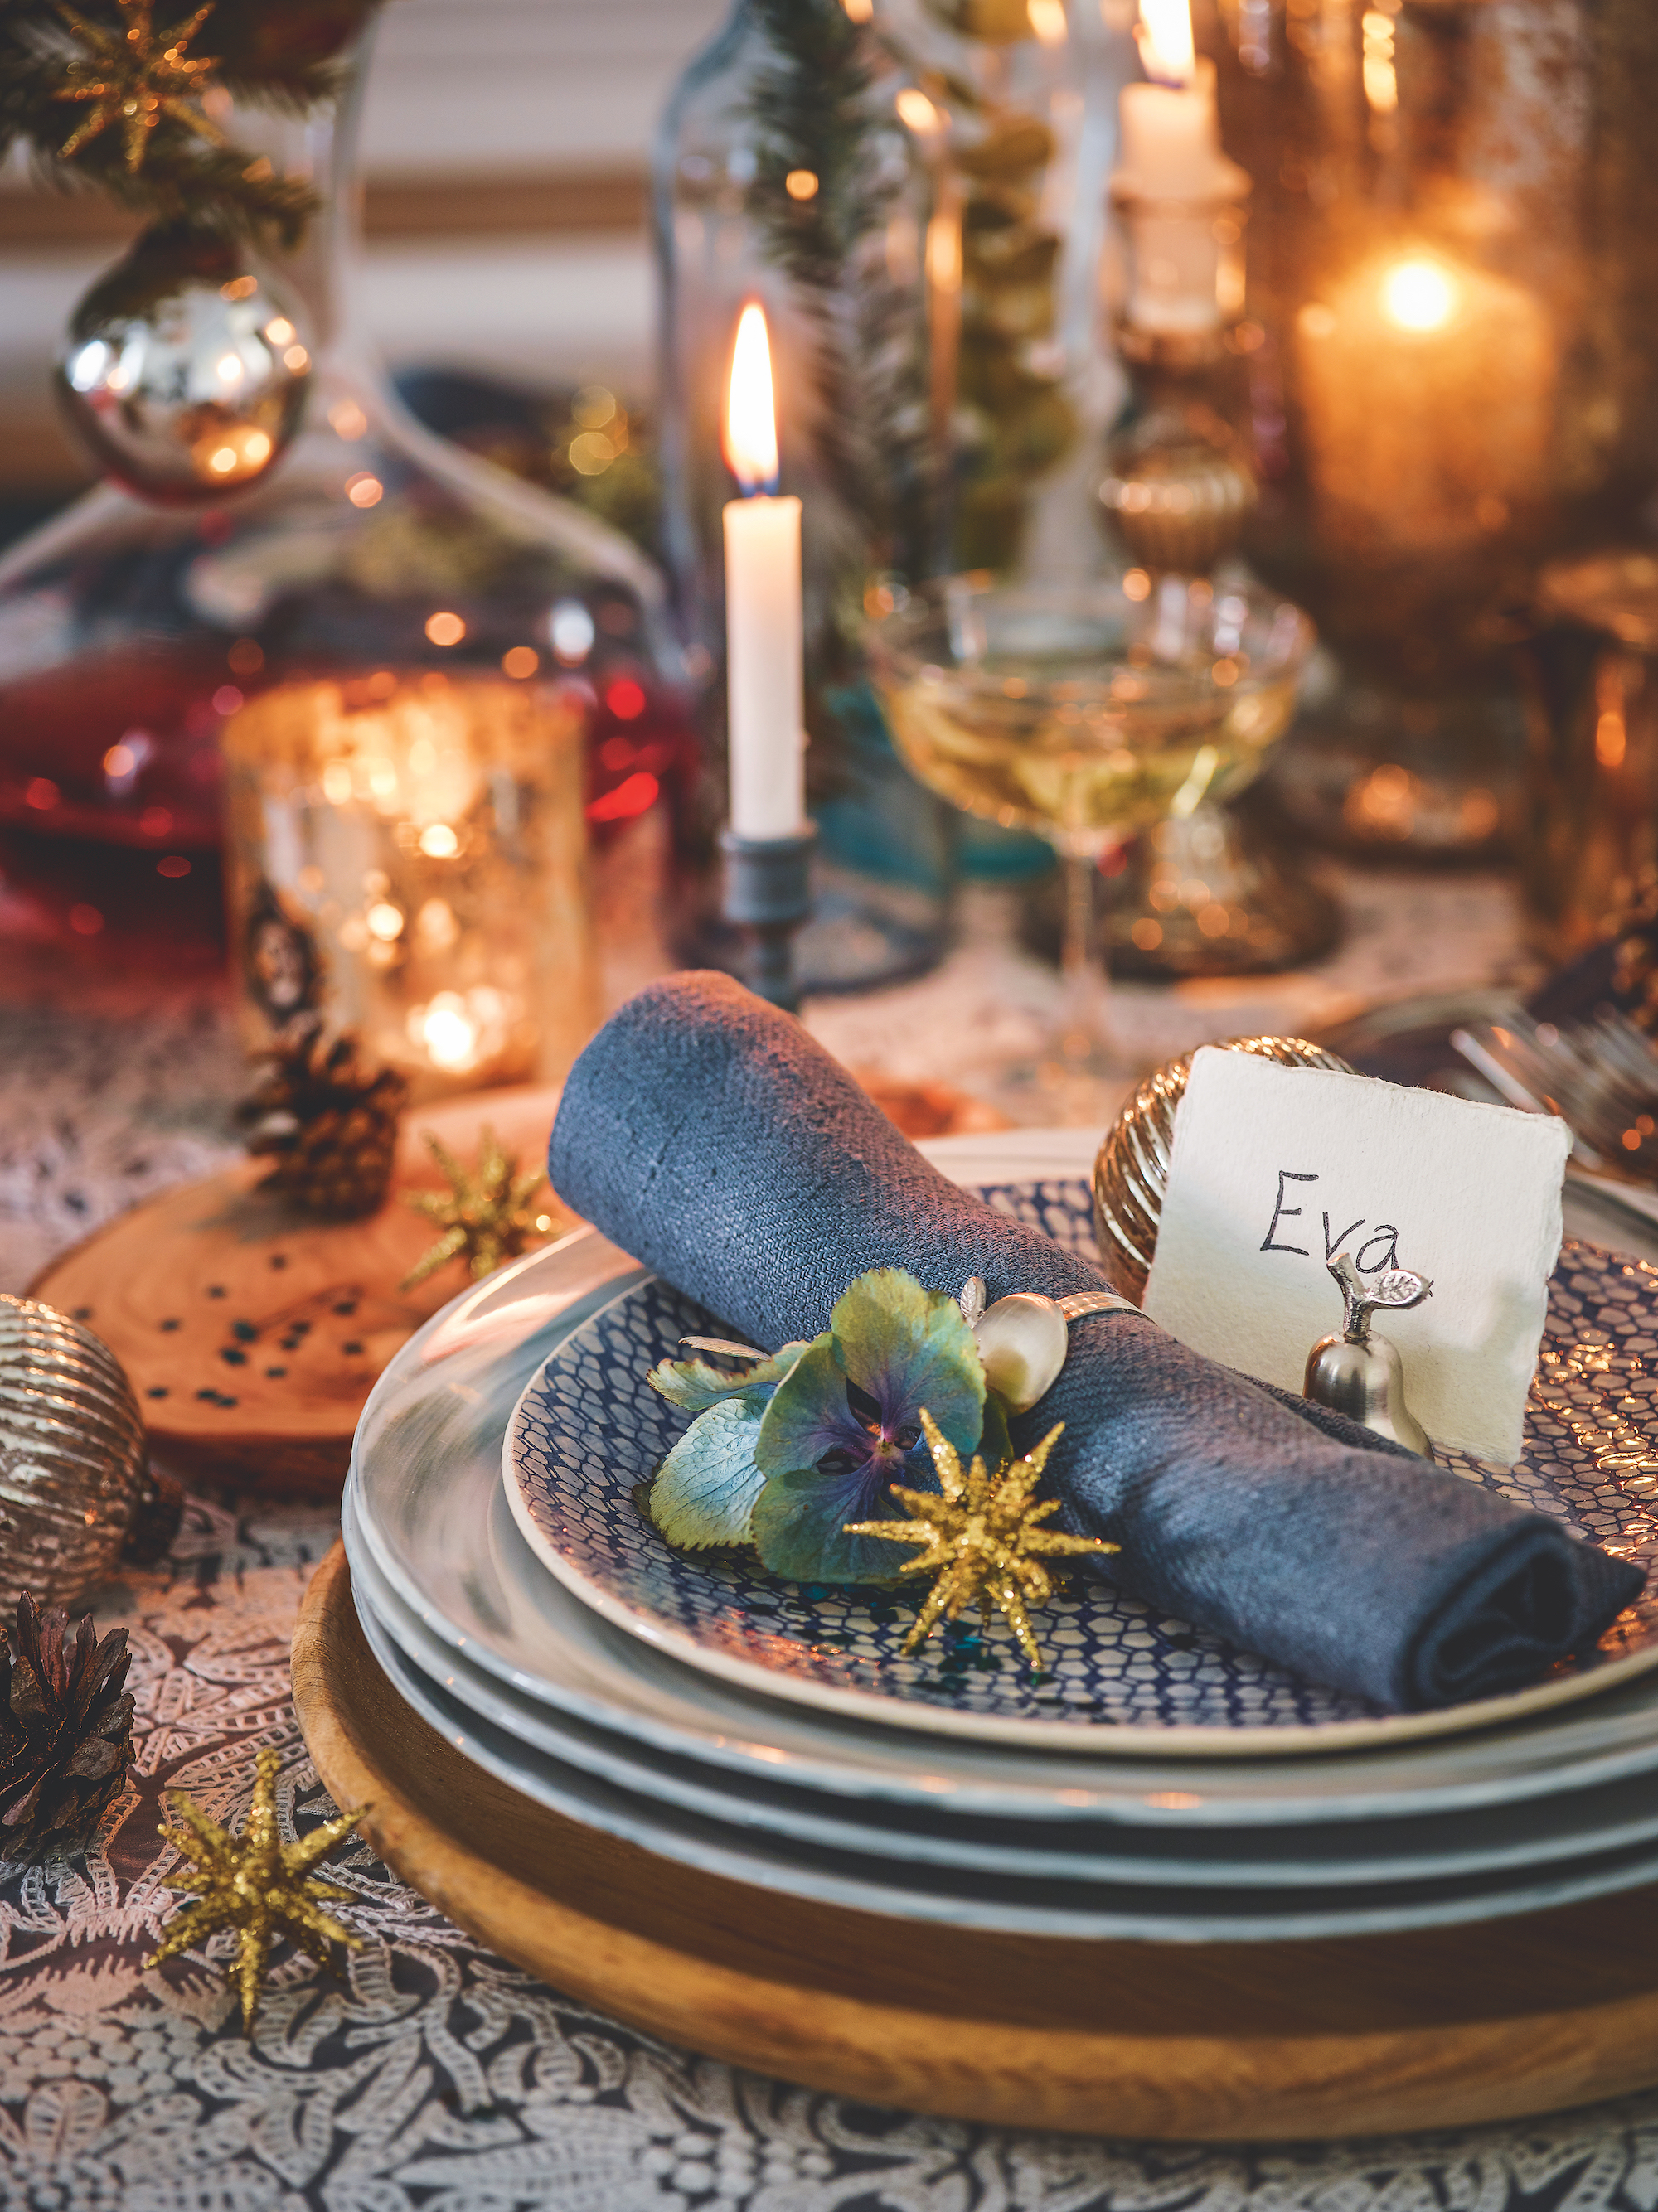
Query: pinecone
65,1730
328,1119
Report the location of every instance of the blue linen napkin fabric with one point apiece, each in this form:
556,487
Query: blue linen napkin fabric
712,1138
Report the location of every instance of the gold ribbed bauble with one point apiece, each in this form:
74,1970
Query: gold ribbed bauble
1131,1169
73,1475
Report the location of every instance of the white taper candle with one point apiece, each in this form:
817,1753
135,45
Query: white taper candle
764,639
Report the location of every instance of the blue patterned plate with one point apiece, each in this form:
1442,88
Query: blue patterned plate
588,1428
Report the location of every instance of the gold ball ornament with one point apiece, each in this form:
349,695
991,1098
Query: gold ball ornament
75,1488
185,369
1131,1171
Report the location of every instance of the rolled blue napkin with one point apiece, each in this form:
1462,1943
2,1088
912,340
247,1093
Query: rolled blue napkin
709,1136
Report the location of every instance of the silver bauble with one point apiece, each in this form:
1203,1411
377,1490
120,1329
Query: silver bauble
72,1461
185,369
1131,1169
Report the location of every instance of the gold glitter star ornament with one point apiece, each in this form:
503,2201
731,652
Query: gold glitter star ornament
982,1538
134,76
487,1217
256,1884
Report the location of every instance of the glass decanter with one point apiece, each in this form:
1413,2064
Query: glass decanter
130,634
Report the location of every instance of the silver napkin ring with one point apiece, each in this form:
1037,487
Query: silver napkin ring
1023,1338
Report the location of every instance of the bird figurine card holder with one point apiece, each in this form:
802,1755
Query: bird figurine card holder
1275,1172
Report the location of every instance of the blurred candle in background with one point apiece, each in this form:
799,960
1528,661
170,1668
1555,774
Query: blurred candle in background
1428,393
1173,181
764,663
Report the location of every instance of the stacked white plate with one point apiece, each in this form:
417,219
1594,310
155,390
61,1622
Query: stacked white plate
1155,1783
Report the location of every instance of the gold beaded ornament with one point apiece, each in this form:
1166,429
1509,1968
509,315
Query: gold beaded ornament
1131,1171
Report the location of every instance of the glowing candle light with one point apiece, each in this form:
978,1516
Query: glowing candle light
1167,51
1171,153
763,620
1419,296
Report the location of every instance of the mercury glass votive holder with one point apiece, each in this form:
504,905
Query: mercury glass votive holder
407,856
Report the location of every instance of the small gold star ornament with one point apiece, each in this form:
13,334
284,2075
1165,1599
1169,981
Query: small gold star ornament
134,76
256,1884
486,1217
983,1537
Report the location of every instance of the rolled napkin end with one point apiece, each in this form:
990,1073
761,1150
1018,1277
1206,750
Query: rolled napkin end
713,1138
1510,1611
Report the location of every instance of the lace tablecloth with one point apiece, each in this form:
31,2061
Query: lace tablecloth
429,2073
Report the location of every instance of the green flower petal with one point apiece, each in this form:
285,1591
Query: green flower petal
694,1386
907,1348
799,1525
705,1490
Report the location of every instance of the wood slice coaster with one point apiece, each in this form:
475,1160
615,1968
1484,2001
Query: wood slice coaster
1238,2042
252,1334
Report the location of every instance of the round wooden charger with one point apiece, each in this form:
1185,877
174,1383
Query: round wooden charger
1223,2041
252,1334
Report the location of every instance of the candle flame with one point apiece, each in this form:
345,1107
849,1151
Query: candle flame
1048,21
1419,295
751,416
1166,50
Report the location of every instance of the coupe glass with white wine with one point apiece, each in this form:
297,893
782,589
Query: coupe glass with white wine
1087,712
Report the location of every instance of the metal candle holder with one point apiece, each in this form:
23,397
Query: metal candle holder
768,894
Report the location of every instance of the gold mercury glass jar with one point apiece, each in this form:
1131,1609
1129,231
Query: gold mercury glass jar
407,854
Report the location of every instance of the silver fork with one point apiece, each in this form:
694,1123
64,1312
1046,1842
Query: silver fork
1600,1077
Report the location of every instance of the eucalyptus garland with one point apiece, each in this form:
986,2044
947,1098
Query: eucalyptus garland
104,96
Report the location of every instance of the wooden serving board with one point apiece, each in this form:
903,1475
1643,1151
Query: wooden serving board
252,1334
1220,2042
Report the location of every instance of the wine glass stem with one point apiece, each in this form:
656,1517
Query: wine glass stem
1084,979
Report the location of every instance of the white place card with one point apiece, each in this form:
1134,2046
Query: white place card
1277,1170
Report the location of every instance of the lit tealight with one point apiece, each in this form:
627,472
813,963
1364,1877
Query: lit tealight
1419,296
438,842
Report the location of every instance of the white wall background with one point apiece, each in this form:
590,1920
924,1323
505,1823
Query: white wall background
525,84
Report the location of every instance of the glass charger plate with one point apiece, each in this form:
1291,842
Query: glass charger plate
590,1429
